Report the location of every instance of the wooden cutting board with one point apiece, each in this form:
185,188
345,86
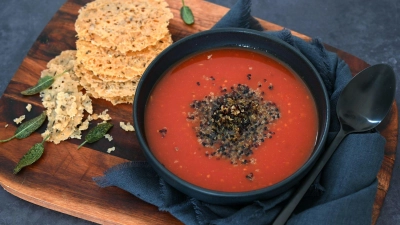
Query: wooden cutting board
62,179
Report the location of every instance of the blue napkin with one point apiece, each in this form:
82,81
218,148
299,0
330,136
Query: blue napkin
344,192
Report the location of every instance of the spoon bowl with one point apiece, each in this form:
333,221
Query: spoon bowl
362,105
366,100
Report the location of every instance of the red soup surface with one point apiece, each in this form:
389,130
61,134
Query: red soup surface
196,99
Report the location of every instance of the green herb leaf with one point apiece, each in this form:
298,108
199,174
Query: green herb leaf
31,156
28,127
186,14
42,84
96,133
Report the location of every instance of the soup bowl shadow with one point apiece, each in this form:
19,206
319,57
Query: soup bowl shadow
238,38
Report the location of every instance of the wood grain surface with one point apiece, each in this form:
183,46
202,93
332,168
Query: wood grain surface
62,179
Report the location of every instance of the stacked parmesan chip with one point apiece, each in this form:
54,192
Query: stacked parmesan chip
64,102
116,42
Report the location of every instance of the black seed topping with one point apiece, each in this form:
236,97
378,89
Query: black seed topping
249,76
250,176
234,123
163,132
270,87
198,83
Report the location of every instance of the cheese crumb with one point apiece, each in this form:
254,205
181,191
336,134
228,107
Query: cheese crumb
104,116
110,149
29,107
108,137
6,126
19,119
127,126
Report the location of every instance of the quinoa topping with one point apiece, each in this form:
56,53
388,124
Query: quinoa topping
234,123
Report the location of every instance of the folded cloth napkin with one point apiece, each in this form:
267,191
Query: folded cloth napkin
344,192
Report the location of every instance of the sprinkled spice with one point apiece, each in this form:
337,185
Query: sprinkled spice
198,83
234,123
163,132
250,176
270,87
249,76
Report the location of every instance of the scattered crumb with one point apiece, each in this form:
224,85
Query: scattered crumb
127,126
108,137
110,149
104,116
29,107
209,57
6,126
19,119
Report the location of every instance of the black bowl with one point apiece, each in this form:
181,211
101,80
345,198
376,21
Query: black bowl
241,38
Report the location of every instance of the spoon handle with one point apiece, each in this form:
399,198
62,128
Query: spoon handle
308,180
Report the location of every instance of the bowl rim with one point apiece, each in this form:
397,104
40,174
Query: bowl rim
176,181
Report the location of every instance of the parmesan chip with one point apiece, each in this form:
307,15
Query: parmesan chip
111,65
64,102
129,25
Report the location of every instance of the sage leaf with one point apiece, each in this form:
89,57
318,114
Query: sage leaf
42,84
31,156
96,133
28,127
187,14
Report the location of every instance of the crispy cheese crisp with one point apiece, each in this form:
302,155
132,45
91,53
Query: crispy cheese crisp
112,65
117,40
129,25
115,92
64,102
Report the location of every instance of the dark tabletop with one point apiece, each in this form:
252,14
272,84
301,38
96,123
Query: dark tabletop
368,29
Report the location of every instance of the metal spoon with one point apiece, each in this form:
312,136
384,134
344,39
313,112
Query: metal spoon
362,105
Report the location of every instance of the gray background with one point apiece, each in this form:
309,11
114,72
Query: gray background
368,29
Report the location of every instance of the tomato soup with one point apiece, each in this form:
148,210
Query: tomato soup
231,120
